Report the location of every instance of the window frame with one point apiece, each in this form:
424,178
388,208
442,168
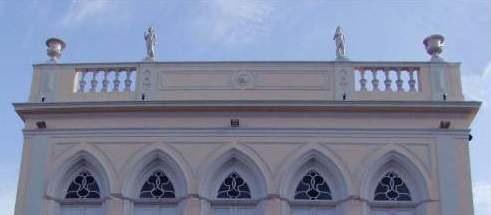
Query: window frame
234,203
68,178
408,181
391,205
142,177
71,174
145,178
301,174
315,203
251,202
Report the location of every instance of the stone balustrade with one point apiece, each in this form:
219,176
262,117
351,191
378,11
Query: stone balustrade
391,82
395,79
105,80
222,81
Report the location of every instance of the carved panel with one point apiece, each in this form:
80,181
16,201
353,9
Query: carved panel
292,80
243,79
195,80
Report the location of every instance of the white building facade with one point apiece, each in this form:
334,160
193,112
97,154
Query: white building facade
246,138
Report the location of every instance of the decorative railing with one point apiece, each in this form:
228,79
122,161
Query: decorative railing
105,80
393,79
314,81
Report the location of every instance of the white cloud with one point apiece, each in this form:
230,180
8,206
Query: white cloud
239,21
8,185
482,198
93,11
7,199
478,86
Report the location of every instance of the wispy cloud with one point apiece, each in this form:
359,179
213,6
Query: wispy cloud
482,198
7,199
240,21
93,12
477,87
8,188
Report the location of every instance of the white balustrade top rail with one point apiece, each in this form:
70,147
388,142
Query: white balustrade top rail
179,81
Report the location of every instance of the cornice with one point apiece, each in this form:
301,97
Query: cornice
252,63
361,133
465,107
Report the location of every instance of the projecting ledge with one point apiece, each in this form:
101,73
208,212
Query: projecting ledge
468,107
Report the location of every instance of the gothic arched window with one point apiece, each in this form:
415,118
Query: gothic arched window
157,186
234,187
313,187
83,186
392,188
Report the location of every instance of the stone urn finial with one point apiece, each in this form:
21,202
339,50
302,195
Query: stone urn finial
434,46
55,49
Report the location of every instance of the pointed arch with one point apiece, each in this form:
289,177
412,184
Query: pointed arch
154,158
319,158
396,158
81,157
229,158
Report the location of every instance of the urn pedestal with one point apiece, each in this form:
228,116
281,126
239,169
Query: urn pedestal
434,46
55,49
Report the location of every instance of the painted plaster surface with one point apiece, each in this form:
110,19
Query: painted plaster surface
292,116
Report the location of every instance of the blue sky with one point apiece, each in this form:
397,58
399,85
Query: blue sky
112,30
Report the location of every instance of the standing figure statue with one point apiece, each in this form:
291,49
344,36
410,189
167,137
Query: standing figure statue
151,40
340,44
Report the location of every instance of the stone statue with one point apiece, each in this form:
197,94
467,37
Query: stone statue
151,40
340,44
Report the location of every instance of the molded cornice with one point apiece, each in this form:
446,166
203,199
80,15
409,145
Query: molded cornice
466,107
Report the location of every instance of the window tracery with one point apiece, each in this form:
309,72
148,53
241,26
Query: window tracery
392,188
313,187
234,187
83,186
157,186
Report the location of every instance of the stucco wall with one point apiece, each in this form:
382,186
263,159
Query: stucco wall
352,146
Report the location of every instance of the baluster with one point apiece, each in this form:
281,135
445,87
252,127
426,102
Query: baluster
399,81
412,81
387,81
363,81
127,81
82,82
105,82
93,82
375,80
116,80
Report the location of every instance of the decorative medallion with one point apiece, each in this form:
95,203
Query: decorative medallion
243,80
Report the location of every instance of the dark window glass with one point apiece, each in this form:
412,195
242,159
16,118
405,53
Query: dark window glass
392,188
84,186
157,186
234,187
313,187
